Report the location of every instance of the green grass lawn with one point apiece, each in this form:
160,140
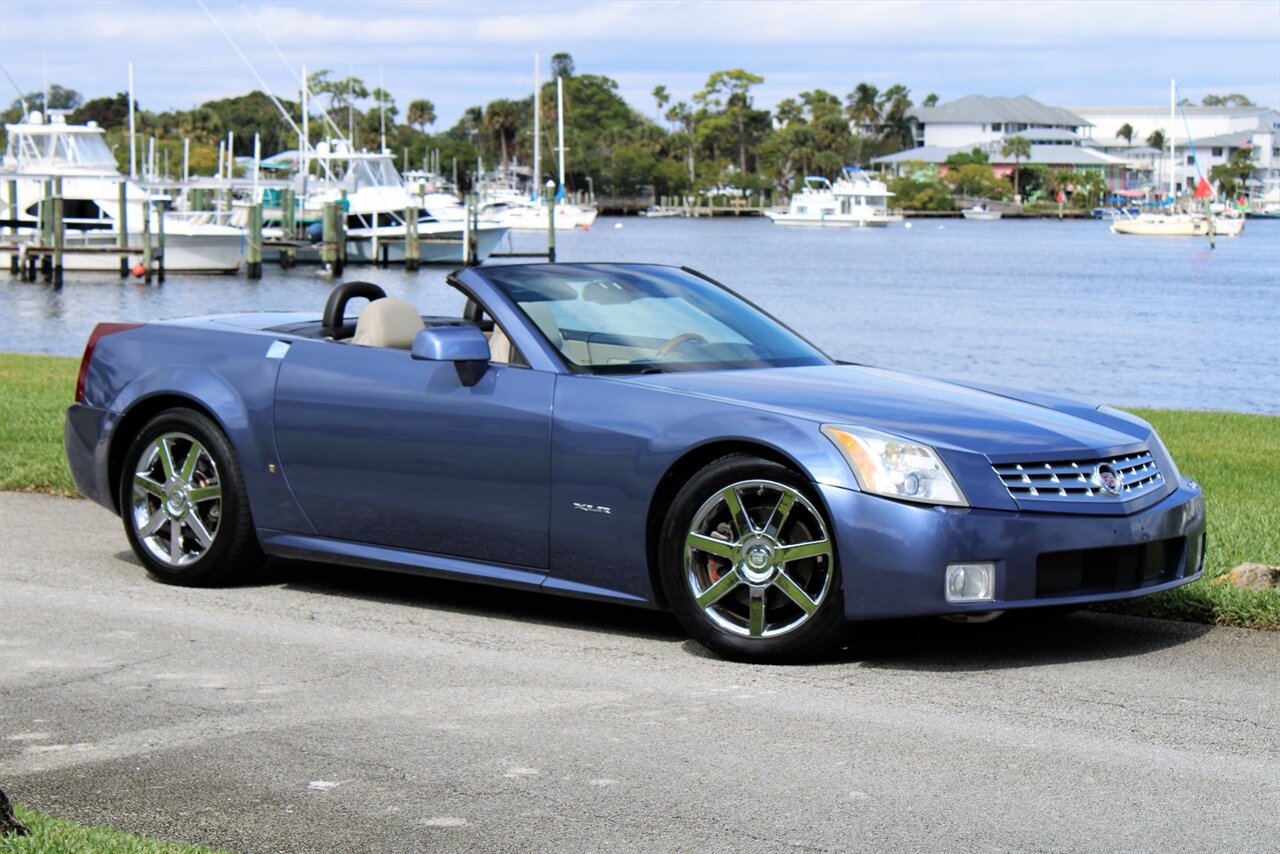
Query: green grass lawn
35,391
1236,458
59,836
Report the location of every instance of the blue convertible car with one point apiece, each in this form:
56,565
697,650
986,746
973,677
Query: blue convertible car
632,433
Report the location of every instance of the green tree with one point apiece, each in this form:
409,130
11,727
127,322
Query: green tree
930,100
561,65
1156,139
1019,148
975,179
1125,132
1233,176
107,112
421,113
864,106
964,158
1235,99
501,119
731,91
661,98
919,189
342,94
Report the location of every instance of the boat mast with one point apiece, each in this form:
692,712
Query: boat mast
560,132
305,142
133,131
382,110
537,108
1173,88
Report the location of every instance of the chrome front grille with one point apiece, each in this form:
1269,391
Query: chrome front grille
1078,480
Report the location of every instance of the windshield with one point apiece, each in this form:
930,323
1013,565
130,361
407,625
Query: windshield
373,173
62,149
615,318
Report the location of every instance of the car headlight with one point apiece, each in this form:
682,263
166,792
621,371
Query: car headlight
894,467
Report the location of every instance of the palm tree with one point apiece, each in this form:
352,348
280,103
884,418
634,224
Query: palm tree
1156,139
863,106
1125,132
502,120
421,113
661,97
1019,148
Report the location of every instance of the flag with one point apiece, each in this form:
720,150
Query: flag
1203,190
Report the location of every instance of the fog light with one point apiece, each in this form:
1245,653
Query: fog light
971,582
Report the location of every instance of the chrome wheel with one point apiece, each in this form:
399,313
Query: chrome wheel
176,506
758,559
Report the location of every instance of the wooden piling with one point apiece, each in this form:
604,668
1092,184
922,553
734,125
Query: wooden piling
329,237
58,232
412,248
551,228
122,221
253,247
146,241
466,232
160,257
13,231
46,231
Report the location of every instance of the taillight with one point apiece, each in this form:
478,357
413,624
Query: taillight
100,331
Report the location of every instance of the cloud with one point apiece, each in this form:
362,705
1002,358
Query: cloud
464,53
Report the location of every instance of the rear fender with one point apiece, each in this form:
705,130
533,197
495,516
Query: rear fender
237,393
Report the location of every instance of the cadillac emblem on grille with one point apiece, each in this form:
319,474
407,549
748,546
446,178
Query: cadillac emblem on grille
1108,479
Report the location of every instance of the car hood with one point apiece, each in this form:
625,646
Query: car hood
940,413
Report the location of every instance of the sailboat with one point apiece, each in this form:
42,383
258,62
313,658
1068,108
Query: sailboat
1177,224
502,202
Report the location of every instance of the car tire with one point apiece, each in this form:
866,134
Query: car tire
748,563
181,477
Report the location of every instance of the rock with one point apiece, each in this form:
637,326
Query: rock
8,823
1254,576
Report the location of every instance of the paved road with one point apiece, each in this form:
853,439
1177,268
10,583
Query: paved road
335,710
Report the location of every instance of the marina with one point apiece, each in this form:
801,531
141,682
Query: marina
1128,322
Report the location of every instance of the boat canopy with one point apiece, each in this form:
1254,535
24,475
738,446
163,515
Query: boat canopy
373,172
50,148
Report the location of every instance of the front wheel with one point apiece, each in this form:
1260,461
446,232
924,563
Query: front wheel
183,502
749,565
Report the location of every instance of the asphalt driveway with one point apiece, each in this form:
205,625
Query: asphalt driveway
334,710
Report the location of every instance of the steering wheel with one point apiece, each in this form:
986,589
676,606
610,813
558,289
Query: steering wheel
335,309
679,341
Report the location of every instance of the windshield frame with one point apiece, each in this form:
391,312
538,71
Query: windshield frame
815,357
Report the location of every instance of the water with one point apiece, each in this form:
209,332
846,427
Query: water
1059,307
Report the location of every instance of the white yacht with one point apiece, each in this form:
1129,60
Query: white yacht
501,200
376,201
40,149
855,200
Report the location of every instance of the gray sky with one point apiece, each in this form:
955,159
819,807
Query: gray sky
1075,53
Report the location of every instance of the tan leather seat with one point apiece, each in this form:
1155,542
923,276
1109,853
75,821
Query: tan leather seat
499,346
388,323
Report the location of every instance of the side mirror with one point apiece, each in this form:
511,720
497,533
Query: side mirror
465,346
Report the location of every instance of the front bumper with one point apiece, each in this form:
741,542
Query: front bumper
893,555
87,435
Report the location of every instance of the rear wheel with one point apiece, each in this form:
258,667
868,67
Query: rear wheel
183,502
749,565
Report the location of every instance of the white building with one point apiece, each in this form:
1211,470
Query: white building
1215,133
1059,138
977,119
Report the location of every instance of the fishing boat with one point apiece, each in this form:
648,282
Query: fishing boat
981,213
41,149
377,200
854,200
